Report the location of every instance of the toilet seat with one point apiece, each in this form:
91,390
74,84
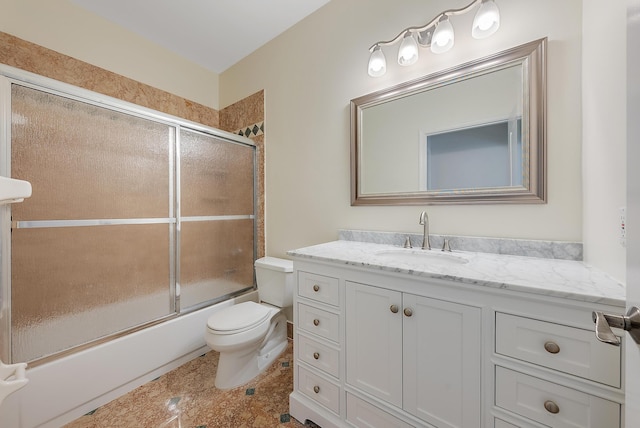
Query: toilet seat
238,318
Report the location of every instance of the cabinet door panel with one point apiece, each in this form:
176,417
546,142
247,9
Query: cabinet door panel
374,341
442,362
365,415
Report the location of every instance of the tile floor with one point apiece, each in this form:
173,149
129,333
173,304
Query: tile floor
187,398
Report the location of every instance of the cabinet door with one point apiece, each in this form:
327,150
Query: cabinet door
374,341
442,362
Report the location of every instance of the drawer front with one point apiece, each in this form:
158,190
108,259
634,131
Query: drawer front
319,287
567,349
320,322
319,389
536,398
363,414
318,355
499,423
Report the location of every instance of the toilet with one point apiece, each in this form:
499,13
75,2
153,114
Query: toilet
249,336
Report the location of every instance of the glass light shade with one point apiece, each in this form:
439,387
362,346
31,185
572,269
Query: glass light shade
443,37
486,21
408,52
377,63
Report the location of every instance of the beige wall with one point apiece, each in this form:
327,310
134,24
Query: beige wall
311,72
604,133
66,28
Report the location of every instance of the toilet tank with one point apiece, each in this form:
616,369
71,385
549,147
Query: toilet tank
275,281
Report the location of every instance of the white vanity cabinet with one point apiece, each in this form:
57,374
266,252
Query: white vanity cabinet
417,353
386,348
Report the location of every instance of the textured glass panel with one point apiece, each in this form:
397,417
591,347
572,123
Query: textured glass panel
216,258
216,176
87,162
73,285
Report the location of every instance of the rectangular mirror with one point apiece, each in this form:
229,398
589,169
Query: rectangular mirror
475,133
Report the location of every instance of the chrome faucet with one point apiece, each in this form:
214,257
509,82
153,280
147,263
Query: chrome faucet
424,220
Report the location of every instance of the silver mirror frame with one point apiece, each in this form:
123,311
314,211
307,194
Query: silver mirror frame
532,57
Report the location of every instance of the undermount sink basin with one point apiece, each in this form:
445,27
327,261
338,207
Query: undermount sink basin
424,256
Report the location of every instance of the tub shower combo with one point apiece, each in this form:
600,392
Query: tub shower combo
136,218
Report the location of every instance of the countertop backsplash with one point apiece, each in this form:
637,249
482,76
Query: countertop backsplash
561,250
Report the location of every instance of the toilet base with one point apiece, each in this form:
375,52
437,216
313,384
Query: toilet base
239,367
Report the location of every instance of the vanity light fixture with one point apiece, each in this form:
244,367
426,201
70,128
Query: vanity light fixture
438,35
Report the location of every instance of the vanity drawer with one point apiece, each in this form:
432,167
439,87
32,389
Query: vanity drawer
319,287
318,389
318,355
363,414
499,423
318,321
551,404
567,349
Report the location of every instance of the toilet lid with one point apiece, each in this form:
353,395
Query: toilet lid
238,317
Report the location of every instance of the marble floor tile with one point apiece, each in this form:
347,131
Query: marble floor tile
187,398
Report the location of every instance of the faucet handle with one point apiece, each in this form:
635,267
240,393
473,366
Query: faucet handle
446,246
407,242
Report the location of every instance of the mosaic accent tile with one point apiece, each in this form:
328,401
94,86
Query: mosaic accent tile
251,130
285,418
250,391
285,364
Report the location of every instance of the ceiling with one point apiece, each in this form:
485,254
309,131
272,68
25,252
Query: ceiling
213,33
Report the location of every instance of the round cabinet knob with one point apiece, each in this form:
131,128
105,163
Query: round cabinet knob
408,312
551,407
316,322
551,347
316,389
316,288
316,355
394,308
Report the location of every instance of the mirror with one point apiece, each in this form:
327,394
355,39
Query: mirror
475,133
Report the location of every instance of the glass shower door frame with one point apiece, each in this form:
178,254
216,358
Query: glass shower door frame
9,76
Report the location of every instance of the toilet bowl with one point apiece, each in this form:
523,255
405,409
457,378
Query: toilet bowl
249,336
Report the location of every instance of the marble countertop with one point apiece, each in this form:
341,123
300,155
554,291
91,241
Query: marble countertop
558,278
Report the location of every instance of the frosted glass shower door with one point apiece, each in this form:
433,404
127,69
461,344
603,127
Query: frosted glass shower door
91,251
216,219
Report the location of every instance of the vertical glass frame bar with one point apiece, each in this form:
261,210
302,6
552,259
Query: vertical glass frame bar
5,223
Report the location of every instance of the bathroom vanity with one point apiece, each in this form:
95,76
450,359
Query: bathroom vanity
393,337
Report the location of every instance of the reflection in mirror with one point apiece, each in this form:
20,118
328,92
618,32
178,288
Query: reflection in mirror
472,134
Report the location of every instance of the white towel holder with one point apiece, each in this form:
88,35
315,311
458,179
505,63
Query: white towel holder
12,378
13,190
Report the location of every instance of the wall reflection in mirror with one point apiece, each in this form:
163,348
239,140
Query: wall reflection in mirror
471,134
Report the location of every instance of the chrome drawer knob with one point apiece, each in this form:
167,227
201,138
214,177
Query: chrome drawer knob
408,312
551,347
551,407
316,355
316,389
316,288
316,322
394,308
